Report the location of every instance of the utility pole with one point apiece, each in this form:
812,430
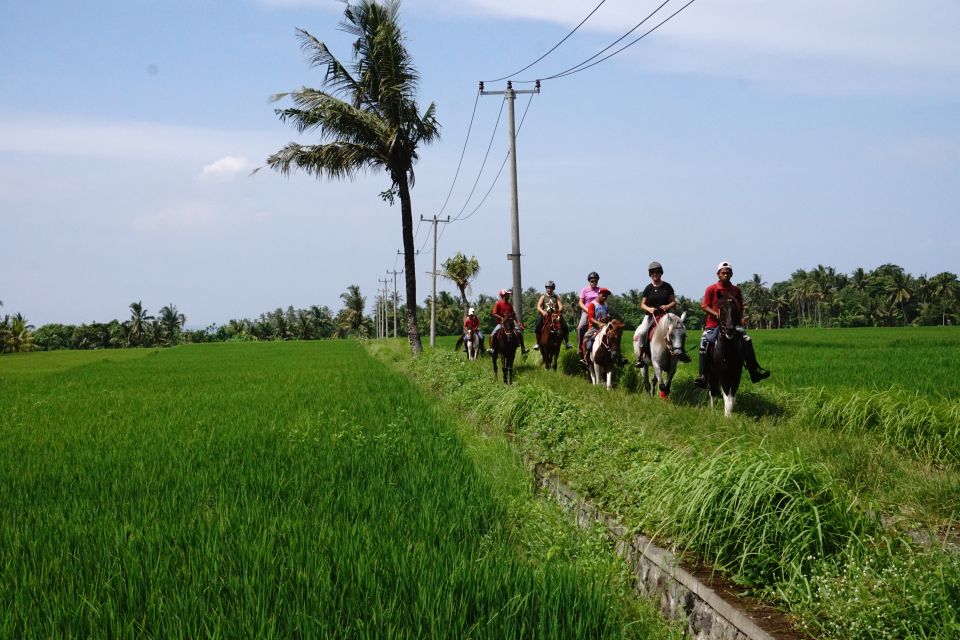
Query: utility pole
394,273
510,96
433,298
382,297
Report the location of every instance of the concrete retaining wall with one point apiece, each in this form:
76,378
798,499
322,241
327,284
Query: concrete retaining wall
659,575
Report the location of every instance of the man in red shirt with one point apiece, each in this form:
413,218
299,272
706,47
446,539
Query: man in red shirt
470,322
723,288
502,310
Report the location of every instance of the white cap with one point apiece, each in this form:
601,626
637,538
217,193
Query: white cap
470,311
724,265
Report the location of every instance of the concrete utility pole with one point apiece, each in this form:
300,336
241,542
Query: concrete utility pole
433,298
382,297
394,273
510,96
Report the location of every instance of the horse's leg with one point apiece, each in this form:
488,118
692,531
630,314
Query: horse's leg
728,400
610,377
493,357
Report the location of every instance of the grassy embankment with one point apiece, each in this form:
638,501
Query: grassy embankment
275,490
815,495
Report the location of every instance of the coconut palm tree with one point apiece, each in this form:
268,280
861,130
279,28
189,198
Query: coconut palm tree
139,320
461,270
16,334
172,321
367,120
351,320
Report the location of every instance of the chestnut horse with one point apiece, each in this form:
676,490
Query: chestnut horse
505,344
725,358
550,338
605,353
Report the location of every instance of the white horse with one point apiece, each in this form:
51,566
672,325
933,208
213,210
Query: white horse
471,340
666,348
605,353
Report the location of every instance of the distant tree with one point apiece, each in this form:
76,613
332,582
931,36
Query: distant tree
137,328
16,334
461,270
172,322
351,320
370,118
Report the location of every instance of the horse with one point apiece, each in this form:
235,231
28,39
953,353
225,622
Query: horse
605,353
471,340
725,358
504,344
549,340
667,340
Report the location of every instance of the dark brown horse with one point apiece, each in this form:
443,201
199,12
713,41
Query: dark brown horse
505,344
725,360
550,338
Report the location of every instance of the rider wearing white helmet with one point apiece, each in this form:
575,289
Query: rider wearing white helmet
658,298
548,303
720,289
470,322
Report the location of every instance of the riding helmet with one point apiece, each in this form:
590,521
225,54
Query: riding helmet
724,265
603,290
470,311
550,285
505,292
592,275
655,266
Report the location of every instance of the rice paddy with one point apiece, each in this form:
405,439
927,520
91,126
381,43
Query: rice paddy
274,490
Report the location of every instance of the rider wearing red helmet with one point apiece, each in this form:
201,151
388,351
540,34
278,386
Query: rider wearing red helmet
598,315
502,310
723,288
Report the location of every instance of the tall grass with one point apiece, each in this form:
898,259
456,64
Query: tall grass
260,490
776,518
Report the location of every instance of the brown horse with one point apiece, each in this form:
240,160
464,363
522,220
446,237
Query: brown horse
505,344
550,338
605,353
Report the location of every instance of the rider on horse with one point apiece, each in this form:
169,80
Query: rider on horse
658,298
472,322
502,311
711,299
598,315
587,295
548,303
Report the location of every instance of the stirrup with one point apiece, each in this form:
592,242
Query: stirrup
700,381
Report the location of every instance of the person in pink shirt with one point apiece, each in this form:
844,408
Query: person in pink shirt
587,295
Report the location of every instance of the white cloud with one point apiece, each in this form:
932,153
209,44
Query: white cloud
226,167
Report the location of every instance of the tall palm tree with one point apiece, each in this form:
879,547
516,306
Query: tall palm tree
461,270
368,120
899,286
139,320
351,320
16,334
172,321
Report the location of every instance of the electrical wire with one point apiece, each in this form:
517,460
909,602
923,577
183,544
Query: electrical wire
504,163
496,126
586,64
553,48
462,153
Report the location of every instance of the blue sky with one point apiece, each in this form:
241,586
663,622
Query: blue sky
775,135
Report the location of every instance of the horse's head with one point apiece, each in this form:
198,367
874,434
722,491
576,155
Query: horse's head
612,333
677,335
554,321
508,323
729,318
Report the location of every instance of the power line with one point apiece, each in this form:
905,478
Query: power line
502,164
553,48
586,64
493,135
462,153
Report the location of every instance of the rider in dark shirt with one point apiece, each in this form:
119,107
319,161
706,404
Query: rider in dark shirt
658,298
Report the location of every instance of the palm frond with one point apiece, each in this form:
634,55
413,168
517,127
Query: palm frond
318,55
335,160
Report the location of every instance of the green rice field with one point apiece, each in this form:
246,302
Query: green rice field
276,490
